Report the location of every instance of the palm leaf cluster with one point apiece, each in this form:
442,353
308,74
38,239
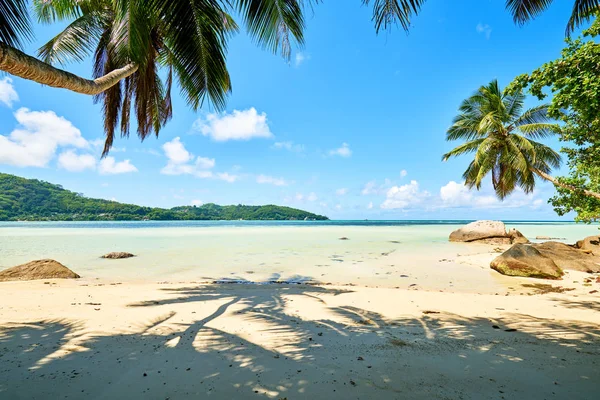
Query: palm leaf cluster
503,139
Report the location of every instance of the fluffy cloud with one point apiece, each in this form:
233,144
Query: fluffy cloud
8,94
455,195
182,162
403,173
196,203
405,196
312,197
341,192
484,29
290,146
343,151
109,166
370,205
239,125
37,137
270,180
74,162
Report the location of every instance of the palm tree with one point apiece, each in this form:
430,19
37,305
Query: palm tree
502,136
137,42
134,41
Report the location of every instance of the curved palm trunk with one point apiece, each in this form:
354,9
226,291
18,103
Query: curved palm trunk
555,181
17,63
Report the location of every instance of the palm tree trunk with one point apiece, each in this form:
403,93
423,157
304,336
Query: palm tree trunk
17,63
565,185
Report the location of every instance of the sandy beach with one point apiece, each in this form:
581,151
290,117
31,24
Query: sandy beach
104,338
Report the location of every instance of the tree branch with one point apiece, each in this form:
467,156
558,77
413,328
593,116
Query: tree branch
17,63
564,185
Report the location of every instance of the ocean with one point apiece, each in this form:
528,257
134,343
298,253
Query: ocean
377,253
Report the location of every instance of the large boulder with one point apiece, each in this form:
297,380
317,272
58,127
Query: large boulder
590,244
115,255
479,230
517,237
38,269
569,257
526,261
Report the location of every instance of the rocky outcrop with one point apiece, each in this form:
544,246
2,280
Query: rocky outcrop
491,232
569,257
38,269
526,261
517,237
116,255
590,244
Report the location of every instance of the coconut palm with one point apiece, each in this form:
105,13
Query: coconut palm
503,138
137,42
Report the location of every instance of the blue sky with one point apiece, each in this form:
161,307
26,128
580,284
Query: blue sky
352,127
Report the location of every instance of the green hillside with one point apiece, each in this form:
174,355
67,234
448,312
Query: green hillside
33,200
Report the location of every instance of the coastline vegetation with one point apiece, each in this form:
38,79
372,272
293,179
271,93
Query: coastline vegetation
34,200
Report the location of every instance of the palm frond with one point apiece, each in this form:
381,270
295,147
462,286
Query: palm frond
583,11
525,10
76,42
15,24
389,12
465,148
271,23
540,130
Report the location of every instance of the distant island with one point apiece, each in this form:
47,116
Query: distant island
34,200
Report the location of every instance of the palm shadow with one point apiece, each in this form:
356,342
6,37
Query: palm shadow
343,352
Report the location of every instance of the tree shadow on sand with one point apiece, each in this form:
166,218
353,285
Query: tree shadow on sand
342,352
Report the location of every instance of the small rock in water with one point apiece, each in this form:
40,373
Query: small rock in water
116,255
344,238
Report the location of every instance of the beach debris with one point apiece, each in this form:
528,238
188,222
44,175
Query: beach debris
38,269
359,358
398,342
543,288
430,312
117,255
593,291
526,261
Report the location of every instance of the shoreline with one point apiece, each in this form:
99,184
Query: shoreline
184,340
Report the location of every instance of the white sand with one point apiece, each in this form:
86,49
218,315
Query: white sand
96,339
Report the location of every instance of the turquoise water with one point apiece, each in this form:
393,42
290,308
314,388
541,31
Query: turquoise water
378,253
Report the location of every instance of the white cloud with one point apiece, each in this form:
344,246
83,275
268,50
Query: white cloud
403,173
239,125
456,195
301,58
182,162
312,197
290,146
197,203
405,196
485,29
265,179
371,188
343,151
35,141
370,205
176,152
74,162
8,94
224,176
109,166
338,207
341,192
